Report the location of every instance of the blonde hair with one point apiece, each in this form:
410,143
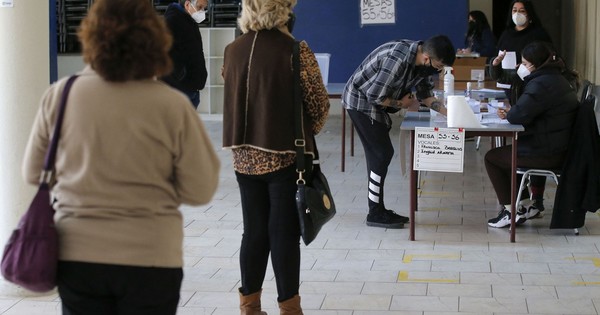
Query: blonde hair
264,14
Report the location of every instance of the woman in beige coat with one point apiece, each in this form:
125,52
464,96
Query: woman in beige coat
131,151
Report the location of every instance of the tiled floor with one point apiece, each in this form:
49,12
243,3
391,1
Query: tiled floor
457,265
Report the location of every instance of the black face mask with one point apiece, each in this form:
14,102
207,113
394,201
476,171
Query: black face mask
472,25
472,29
291,22
425,71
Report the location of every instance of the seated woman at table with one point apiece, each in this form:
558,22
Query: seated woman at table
547,109
479,37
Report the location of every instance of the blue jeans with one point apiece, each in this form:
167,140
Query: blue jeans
194,98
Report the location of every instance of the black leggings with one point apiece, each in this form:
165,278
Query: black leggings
379,151
270,225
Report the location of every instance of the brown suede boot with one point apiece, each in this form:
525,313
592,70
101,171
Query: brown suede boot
291,306
250,304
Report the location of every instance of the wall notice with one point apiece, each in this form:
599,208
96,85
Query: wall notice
377,12
6,3
439,149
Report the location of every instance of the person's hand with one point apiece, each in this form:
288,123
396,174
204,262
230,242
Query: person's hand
501,112
499,58
409,101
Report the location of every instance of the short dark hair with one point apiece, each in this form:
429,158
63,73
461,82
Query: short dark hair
125,40
440,47
531,15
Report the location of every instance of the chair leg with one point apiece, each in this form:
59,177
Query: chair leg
523,179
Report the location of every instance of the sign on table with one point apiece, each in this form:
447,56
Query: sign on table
439,149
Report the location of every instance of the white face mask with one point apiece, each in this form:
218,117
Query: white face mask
523,72
519,18
198,16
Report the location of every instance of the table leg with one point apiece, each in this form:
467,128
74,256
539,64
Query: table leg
343,167
513,189
351,139
413,188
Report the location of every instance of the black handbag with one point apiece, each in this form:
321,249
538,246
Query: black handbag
313,198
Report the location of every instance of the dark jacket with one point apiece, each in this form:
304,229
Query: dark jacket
189,68
547,109
513,40
484,43
579,186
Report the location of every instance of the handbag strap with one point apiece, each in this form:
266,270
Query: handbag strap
299,142
51,153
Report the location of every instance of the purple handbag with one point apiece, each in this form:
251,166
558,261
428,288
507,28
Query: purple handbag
31,255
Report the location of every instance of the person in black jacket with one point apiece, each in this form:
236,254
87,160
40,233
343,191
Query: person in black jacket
523,26
547,109
479,37
189,68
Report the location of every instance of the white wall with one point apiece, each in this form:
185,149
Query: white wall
25,74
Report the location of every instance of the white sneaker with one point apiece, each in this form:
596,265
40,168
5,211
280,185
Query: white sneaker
534,213
529,210
502,220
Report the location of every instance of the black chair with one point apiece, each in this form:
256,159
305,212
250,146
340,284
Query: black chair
585,90
591,92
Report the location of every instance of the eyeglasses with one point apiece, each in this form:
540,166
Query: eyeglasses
199,9
199,6
439,68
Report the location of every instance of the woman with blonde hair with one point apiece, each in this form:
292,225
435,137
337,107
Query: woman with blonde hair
131,151
258,126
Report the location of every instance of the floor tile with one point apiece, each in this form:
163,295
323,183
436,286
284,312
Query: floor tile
457,265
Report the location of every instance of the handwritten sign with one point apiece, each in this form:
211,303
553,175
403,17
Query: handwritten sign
6,4
377,12
439,149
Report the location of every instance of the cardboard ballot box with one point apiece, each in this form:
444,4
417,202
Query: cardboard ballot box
467,68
